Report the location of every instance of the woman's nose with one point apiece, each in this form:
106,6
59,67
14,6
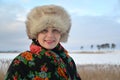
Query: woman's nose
50,34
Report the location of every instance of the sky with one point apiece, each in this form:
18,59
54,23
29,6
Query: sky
93,22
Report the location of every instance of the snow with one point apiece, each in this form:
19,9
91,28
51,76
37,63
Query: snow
83,58
109,58
8,55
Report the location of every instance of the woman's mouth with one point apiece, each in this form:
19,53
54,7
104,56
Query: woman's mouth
49,41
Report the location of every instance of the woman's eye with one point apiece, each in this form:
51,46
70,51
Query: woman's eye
44,31
56,31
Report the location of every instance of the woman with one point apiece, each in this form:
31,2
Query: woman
47,26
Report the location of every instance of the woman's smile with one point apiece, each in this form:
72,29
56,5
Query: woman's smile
49,41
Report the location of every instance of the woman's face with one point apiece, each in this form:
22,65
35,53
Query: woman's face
49,38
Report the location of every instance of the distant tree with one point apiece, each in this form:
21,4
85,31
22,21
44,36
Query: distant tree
113,46
98,47
81,47
102,46
105,46
91,46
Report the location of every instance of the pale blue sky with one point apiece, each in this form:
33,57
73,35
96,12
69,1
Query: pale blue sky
93,22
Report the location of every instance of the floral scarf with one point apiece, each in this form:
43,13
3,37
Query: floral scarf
42,64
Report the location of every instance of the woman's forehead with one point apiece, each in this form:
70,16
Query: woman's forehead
52,28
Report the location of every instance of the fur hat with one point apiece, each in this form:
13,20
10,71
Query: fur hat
42,17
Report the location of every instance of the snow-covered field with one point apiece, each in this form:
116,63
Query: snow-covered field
100,58
83,58
91,65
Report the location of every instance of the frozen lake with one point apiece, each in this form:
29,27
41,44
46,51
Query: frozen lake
107,58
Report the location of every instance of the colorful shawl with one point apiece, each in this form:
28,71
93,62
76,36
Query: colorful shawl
42,64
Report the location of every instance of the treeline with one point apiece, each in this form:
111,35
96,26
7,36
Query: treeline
104,46
9,51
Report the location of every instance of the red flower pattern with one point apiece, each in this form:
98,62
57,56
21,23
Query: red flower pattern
14,77
44,68
16,61
35,49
